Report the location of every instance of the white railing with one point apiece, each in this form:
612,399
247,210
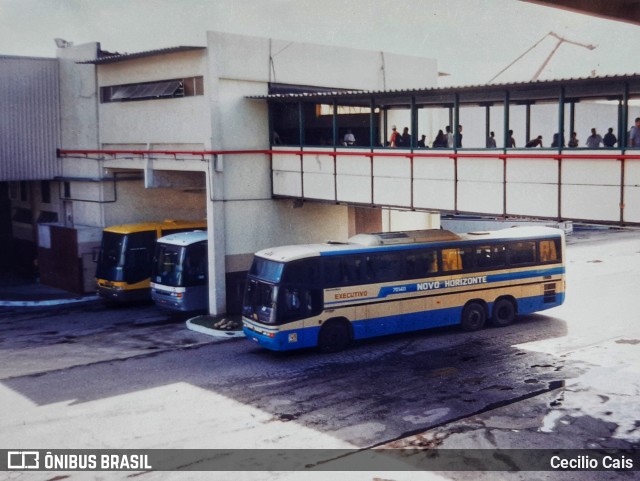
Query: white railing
583,185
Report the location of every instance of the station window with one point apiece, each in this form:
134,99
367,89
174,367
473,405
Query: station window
24,216
24,191
46,217
45,192
326,109
14,189
163,89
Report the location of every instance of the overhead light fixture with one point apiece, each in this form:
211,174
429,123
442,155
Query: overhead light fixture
62,43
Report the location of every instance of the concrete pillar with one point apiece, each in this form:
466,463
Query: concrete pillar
217,250
216,240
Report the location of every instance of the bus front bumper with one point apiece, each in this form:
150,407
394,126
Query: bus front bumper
276,340
116,294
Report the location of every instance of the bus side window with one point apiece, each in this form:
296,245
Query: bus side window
548,251
384,267
522,252
451,259
489,256
197,267
343,271
298,303
432,262
457,259
306,271
331,268
292,298
420,264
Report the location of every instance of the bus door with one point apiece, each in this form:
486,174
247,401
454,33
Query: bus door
138,256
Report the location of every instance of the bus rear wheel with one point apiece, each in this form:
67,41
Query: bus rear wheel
504,312
334,336
474,316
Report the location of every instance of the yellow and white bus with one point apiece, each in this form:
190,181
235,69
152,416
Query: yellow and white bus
327,295
125,257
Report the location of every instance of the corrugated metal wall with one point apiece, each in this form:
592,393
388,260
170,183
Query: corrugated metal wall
29,118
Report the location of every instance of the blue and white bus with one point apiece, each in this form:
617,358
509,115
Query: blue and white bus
327,295
179,277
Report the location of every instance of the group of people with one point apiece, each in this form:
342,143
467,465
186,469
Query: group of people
447,139
443,140
491,140
594,141
400,140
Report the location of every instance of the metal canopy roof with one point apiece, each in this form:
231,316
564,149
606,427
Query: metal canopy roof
608,87
121,57
620,10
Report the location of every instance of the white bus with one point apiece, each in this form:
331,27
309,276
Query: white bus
327,295
180,269
125,256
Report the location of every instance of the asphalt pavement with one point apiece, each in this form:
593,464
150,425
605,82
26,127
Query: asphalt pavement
17,291
594,409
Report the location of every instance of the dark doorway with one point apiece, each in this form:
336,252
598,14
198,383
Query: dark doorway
6,235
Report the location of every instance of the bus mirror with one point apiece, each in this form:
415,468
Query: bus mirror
95,252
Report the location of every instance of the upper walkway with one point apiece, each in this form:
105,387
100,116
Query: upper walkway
600,186
594,185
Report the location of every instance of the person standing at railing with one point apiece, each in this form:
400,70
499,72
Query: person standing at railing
594,140
349,138
440,140
609,139
634,134
406,138
449,136
556,141
491,141
573,140
394,140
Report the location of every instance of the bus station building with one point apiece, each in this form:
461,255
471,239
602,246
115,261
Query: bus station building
173,104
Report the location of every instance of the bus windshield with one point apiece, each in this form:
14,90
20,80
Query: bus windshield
260,301
167,265
180,266
267,270
111,256
125,257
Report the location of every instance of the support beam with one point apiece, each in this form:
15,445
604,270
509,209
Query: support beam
506,120
561,138
216,242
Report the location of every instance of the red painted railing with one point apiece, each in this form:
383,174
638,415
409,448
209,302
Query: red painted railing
336,153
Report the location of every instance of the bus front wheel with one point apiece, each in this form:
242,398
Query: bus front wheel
474,316
504,312
334,336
